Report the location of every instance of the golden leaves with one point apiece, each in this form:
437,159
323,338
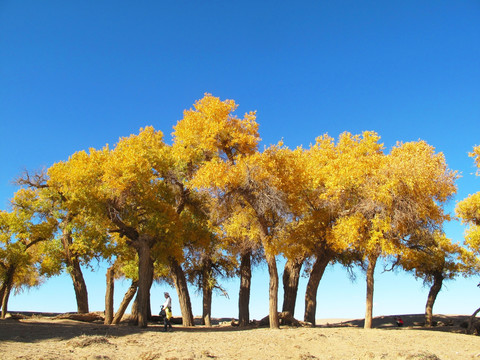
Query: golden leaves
469,211
211,130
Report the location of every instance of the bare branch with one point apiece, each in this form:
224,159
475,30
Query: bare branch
37,180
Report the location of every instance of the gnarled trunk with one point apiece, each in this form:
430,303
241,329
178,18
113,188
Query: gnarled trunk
109,295
80,287
471,322
180,282
7,286
244,294
6,295
372,262
273,292
207,293
432,296
126,300
2,292
149,306
291,276
75,272
316,274
207,306
145,278
134,310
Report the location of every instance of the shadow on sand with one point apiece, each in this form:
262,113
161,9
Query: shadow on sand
448,323
44,327
38,328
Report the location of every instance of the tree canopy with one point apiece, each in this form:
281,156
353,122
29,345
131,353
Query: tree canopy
211,202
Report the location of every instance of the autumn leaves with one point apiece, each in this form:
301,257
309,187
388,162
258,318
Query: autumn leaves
211,202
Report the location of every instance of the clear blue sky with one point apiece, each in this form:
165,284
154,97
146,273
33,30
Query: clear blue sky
75,75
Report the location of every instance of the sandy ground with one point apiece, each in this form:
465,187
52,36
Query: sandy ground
45,338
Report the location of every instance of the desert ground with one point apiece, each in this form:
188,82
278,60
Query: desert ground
44,337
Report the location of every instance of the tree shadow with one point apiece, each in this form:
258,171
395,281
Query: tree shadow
28,330
44,328
444,323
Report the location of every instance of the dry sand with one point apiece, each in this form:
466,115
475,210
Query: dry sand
45,338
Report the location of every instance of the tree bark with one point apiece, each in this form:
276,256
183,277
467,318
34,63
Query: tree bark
109,295
75,271
80,287
7,285
207,293
134,310
126,300
149,305
316,275
273,292
2,292
372,262
291,276
471,321
6,295
180,282
145,279
244,294
207,307
432,296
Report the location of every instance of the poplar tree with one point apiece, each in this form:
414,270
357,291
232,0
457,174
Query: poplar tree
28,252
124,191
468,210
210,135
404,195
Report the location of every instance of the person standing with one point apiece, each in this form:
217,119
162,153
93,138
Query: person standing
167,309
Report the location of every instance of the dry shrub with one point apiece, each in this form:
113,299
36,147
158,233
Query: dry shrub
150,355
50,356
424,355
206,354
84,340
307,356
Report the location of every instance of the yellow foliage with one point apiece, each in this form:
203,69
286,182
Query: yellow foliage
123,185
476,156
211,130
469,212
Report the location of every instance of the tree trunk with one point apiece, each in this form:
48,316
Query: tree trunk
291,276
149,306
126,300
244,294
471,321
207,307
432,296
73,266
7,286
273,292
372,262
109,295
6,295
2,292
207,293
180,282
316,275
145,279
80,287
134,310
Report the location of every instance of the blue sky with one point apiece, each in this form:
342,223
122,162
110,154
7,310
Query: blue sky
75,75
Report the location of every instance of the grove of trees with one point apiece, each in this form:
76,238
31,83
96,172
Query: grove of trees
211,205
